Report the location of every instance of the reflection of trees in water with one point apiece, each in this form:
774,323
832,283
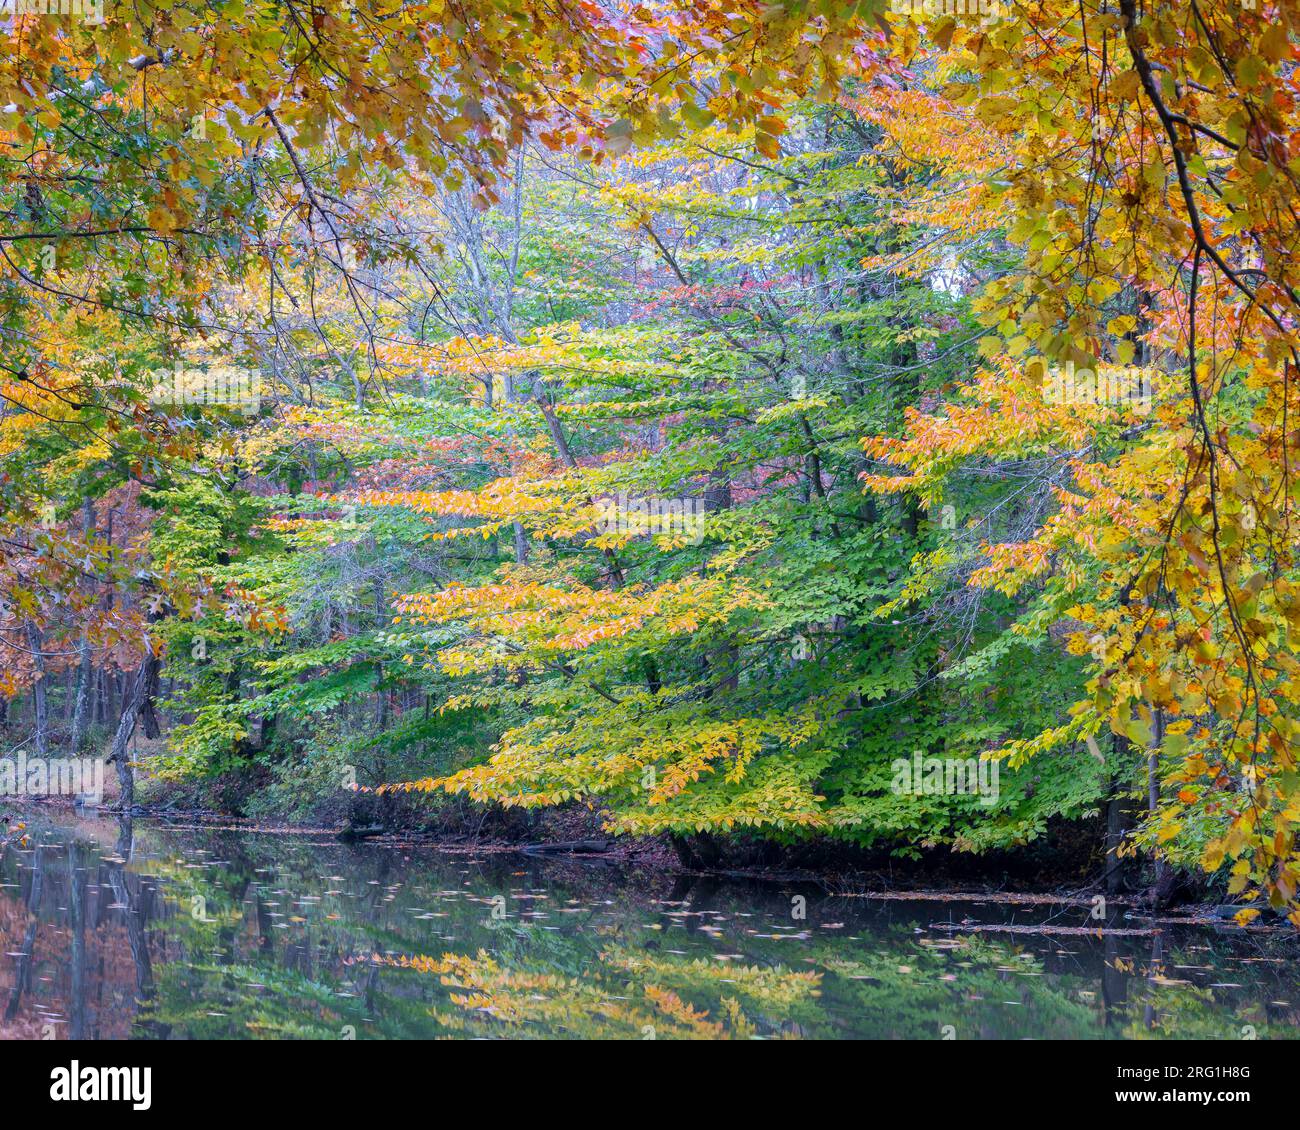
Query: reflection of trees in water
1114,981
77,939
581,951
27,952
77,912
136,901
1164,1003
621,995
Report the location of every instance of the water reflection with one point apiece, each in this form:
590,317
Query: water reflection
112,931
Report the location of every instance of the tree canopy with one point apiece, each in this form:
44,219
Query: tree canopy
686,409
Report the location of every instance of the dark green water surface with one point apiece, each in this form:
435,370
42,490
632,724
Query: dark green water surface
149,932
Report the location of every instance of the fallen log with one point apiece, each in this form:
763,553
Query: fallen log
575,847
349,834
1089,931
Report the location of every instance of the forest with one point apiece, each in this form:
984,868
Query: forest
796,430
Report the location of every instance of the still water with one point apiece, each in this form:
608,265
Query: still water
109,931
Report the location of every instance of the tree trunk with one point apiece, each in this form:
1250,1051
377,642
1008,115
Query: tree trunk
1164,876
718,497
1118,815
36,642
381,706
85,671
148,716
132,705
81,711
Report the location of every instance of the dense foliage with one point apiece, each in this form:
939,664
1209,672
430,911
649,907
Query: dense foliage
690,410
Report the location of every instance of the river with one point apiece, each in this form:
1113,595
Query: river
112,931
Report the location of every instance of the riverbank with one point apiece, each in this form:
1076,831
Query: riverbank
1066,869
